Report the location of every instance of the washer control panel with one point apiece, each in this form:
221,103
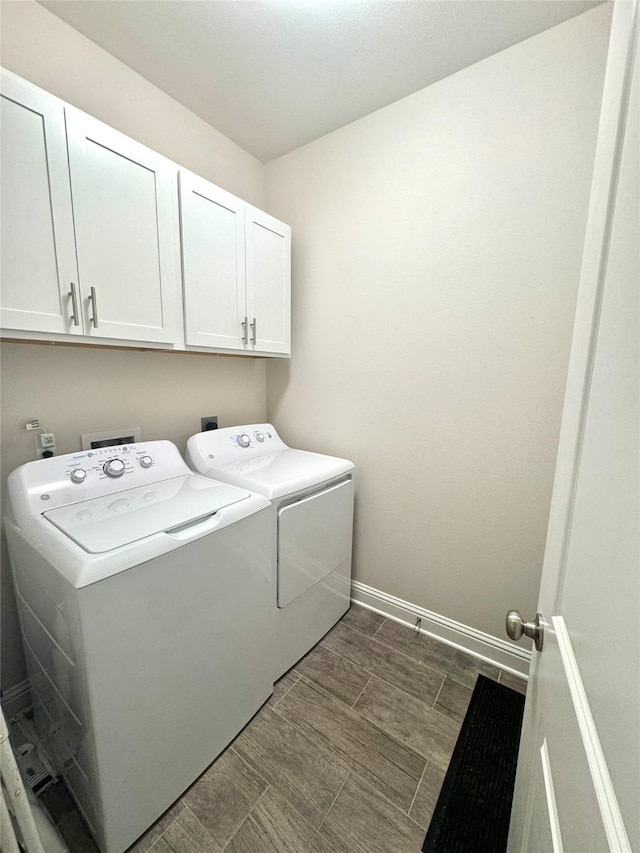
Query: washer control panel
90,473
112,462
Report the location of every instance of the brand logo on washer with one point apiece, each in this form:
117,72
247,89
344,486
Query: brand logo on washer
45,497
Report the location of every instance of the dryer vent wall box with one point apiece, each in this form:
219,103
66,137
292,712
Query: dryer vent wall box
111,551
312,517
95,440
208,423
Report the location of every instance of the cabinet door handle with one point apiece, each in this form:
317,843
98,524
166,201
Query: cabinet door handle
94,307
74,304
254,327
245,337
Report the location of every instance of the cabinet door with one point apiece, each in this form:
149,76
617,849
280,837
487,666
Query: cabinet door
268,256
212,227
38,252
125,205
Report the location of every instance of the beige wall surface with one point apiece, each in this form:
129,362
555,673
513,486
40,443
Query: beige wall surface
38,46
435,263
75,390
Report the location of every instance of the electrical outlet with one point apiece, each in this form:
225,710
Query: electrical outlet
208,423
45,445
47,440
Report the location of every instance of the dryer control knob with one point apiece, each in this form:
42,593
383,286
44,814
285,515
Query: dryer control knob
114,468
78,475
146,462
243,440
260,436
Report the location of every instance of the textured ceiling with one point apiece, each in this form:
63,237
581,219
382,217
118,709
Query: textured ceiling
275,74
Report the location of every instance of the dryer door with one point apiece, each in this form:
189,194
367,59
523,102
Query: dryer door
314,539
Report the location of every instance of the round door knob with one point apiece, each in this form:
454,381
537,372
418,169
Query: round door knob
244,440
79,475
114,468
146,462
517,627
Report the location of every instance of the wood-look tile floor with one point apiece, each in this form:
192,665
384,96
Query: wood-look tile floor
347,756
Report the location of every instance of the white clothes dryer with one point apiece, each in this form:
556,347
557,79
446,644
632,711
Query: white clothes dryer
145,601
312,496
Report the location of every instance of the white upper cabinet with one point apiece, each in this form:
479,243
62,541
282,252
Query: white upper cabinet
268,255
125,206
212,225
91,227
39,278
236,264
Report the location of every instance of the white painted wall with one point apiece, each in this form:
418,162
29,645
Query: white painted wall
74,389
436,252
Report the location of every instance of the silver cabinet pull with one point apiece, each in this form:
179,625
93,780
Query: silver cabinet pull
74,304
254,326
94,307
245,337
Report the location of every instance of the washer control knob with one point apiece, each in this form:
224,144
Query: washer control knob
146,462
260,436
243,440
114,468
78,475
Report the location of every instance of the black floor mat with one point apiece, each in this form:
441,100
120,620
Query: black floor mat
474,806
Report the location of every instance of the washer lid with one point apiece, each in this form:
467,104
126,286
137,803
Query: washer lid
113,521
283,472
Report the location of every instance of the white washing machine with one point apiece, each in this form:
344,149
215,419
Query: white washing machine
312,498
145,600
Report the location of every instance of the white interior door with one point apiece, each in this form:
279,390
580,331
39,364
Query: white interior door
126,212
213,263
578,782
38,248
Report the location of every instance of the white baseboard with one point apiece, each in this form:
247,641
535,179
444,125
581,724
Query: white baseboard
16,699
501,653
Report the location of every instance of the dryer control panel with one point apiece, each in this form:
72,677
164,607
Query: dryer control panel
232,444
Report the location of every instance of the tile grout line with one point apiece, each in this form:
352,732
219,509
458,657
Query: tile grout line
197,819
333,801
333,748
353,704
162,835
387,646
417,788
244,820
346,761
251,767
426,758
373,675
439,672
379,628
431,637
450,719
435,701
275,704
